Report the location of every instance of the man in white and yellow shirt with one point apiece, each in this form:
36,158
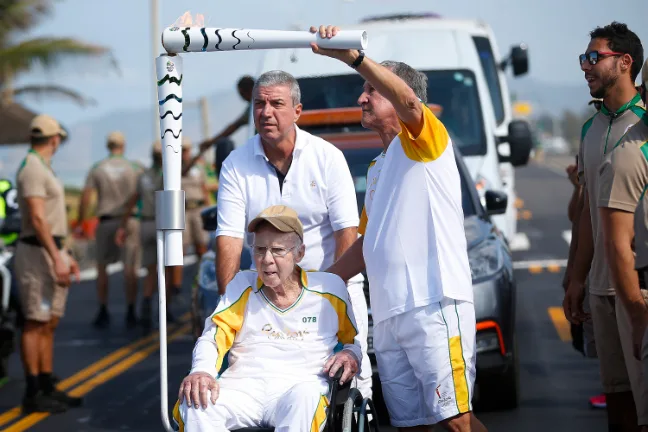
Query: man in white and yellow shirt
280,328
413,246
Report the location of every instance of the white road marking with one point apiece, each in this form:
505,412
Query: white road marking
520,242
91,273
539,263
566,235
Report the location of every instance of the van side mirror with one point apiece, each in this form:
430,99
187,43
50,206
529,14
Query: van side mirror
209,217
520,59
520,142
496,202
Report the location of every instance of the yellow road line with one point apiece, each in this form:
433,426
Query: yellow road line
557,315
110,373
553,268
99,365
519,203
535,269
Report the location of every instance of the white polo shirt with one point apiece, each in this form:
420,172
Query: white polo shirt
413,224
318,186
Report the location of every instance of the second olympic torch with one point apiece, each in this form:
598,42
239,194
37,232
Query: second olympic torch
170,202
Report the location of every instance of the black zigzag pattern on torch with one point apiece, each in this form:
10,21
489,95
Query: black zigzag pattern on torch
248,34
202,31
172,115
220,39
239,40
187,39
168,98
174,135
170,79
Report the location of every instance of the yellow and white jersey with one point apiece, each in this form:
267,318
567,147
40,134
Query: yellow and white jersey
265,341
413,223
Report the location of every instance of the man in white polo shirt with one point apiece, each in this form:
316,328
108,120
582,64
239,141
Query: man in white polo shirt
285,165
414,247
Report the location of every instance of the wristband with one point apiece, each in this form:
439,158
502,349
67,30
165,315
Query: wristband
358,61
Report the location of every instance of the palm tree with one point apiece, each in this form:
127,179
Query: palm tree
18,57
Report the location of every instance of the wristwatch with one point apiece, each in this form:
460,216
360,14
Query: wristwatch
358,61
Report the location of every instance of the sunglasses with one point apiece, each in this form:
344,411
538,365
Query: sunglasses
594,56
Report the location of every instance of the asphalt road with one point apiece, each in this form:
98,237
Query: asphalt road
117,370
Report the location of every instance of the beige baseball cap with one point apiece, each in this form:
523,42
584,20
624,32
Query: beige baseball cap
117,138
644,73
44,126
281,217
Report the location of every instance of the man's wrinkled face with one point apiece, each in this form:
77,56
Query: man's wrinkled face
602,76
274,113
377,111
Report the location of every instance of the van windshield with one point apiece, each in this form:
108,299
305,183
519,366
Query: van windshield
454,90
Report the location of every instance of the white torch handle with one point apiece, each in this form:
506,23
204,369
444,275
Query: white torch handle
169,79
169,203
208,39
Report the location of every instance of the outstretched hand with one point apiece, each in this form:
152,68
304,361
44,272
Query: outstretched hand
347,56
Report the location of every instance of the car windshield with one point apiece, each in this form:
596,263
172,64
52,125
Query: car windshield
358,161
454,90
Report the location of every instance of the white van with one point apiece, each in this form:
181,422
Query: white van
447,52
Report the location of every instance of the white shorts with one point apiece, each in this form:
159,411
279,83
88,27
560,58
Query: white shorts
285,404
426,361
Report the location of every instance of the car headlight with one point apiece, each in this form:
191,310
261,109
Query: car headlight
485,260
207,273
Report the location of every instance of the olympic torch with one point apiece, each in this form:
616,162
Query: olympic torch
170,210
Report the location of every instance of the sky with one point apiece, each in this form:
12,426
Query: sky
556,31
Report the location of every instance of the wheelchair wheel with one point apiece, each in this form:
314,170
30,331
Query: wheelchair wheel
349,419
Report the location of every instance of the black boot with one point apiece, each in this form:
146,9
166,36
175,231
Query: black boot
146,320
49,389
131,319
35,399
103,319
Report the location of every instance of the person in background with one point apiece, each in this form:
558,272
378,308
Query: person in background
43,266
114,179
623,177
149,181
610,65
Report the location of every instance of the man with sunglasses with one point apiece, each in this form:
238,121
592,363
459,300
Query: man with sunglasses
611,64
623,179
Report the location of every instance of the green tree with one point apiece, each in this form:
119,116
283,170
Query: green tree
21,56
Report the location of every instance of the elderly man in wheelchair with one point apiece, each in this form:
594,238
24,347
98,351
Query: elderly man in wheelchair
280,330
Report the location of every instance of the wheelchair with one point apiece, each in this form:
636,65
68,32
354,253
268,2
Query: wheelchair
348,411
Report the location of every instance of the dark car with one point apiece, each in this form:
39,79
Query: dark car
489,255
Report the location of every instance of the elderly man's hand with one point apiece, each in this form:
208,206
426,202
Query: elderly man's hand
342,359
194,389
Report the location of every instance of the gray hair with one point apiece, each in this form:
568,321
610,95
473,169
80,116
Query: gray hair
277,78
416,80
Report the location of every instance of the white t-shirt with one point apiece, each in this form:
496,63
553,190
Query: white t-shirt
318,186
413,225
264,341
